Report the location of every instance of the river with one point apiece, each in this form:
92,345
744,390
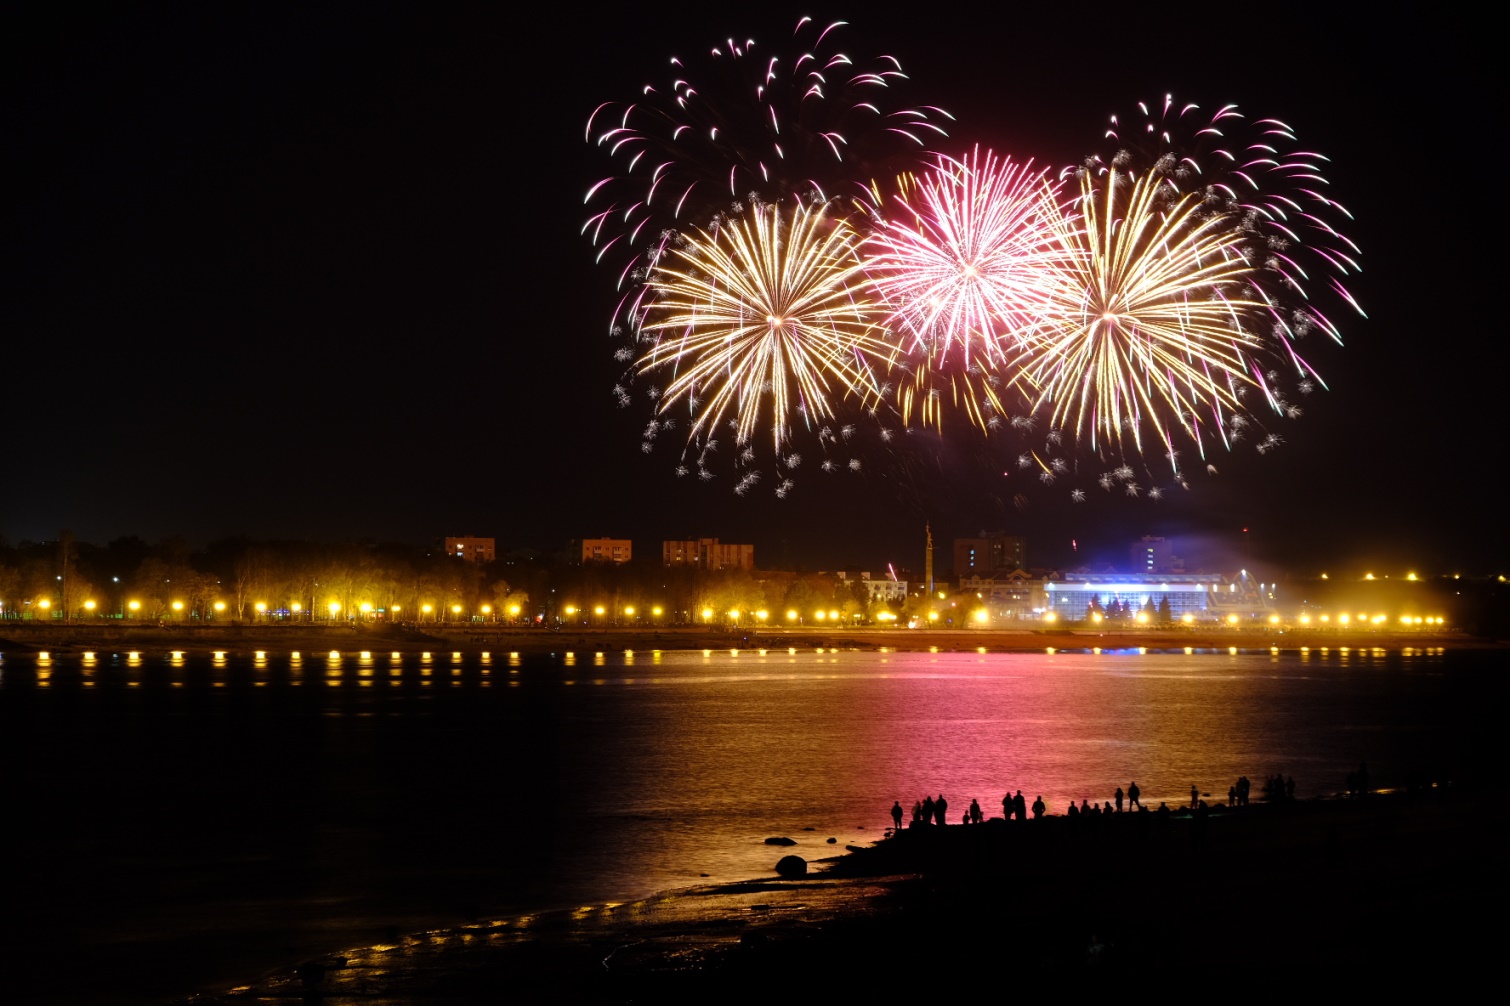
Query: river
185,822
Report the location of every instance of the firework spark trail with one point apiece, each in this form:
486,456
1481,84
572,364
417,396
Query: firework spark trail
765,319
1152,329
1254,171
741,125
966,257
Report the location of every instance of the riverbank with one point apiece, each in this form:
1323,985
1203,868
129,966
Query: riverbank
247,639
1364,894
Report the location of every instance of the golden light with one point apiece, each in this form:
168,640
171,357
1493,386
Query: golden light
1188,618
1273,619
365,608
1096,617
296,607
933,616
219,606
44,604
762,614
1343,619
570,610
1231,619
629,612
1050,617
598,610
981,616
791,615
513,611
1410,576
833,616
1305,619
334,607
707,613
455,609
656,611
486,609
734,614
1142,618
177,605
425,609
395,609
88,605
259,607
134,605
819,615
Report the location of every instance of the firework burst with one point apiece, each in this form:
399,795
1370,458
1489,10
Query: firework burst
764,321
1153,333
805,122
1253,173
966,257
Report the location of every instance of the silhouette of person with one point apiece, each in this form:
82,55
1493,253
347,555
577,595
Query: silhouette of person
1132,796
1195,795
927,810
896,815
1006,806
1119,799
975,814
1038,808
1020,806
941,808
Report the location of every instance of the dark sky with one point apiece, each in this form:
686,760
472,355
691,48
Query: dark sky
314,271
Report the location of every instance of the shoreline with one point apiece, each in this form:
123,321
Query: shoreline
1340,891
243,640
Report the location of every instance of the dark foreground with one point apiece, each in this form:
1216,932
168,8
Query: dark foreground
1369,894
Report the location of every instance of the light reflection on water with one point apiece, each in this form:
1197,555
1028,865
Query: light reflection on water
607,775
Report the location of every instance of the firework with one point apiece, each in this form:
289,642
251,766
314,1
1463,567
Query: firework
742,125
966,257
1274,194
765,320
1153,332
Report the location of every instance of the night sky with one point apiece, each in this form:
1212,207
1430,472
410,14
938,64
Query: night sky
314,271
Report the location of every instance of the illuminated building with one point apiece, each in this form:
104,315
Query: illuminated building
1205,596
478,550
707,553
614,550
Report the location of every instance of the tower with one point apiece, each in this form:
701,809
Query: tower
928,557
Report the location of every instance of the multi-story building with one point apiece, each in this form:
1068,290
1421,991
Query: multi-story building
1152,555
707,553
478,550
986,553
887,591
614,550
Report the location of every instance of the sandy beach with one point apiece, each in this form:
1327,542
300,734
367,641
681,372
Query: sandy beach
1358,894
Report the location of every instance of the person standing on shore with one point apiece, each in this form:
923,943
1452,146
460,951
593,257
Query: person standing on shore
1021,806
1006,806
941,810
975,812
1119,799
927,810
1195,795
1038,808
896,816
1132,796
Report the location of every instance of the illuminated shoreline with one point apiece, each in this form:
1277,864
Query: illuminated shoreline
476,638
